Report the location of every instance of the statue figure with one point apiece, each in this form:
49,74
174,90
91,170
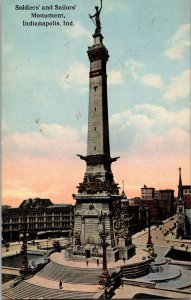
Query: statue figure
97,18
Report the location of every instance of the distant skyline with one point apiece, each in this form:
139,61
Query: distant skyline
45,97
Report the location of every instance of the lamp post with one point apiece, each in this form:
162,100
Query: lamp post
149,242
104,275
24,268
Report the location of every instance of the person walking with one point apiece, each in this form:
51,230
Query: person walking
87,263
97,262
124,259
60,284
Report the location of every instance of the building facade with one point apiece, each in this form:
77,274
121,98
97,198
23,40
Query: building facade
147,193
160,202
43,218
186,193
183,210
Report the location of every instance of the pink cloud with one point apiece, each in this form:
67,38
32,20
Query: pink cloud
57,179
45,165
42,178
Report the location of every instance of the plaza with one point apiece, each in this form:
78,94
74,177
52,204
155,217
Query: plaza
81,280
99,258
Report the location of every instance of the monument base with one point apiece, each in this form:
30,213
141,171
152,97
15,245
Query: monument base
113,254
127,252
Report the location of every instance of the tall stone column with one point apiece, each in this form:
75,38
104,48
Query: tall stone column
98,160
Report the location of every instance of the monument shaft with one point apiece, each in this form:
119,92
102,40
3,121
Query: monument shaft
98,194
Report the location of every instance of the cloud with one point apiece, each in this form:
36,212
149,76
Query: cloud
179,87
148,130
51,142
165,118
77,74
152,80
112,5
43,164
149,79
78,31
134,66
114,77
178,43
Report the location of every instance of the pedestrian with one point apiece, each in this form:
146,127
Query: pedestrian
60,284
124,259
87,262
97,262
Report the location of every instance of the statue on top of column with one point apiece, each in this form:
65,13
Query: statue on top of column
97,18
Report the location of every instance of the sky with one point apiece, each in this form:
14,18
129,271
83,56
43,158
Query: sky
45,94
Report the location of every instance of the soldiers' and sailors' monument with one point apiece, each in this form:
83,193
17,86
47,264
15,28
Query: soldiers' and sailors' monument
98,201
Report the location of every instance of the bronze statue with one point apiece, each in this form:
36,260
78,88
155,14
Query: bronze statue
97,18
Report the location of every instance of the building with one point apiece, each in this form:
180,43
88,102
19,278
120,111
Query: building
187,201
165,203
160,202
153,207
5,207
183,214
187,224
134,201
43,218
186,191
147,193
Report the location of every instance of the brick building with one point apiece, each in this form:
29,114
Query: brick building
160,202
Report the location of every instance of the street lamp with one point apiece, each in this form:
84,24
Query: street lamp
149,242
24,268
104,275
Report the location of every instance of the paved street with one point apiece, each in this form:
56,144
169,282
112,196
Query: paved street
158,237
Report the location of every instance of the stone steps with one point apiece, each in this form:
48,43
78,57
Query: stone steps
56,272
25,290
136,270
